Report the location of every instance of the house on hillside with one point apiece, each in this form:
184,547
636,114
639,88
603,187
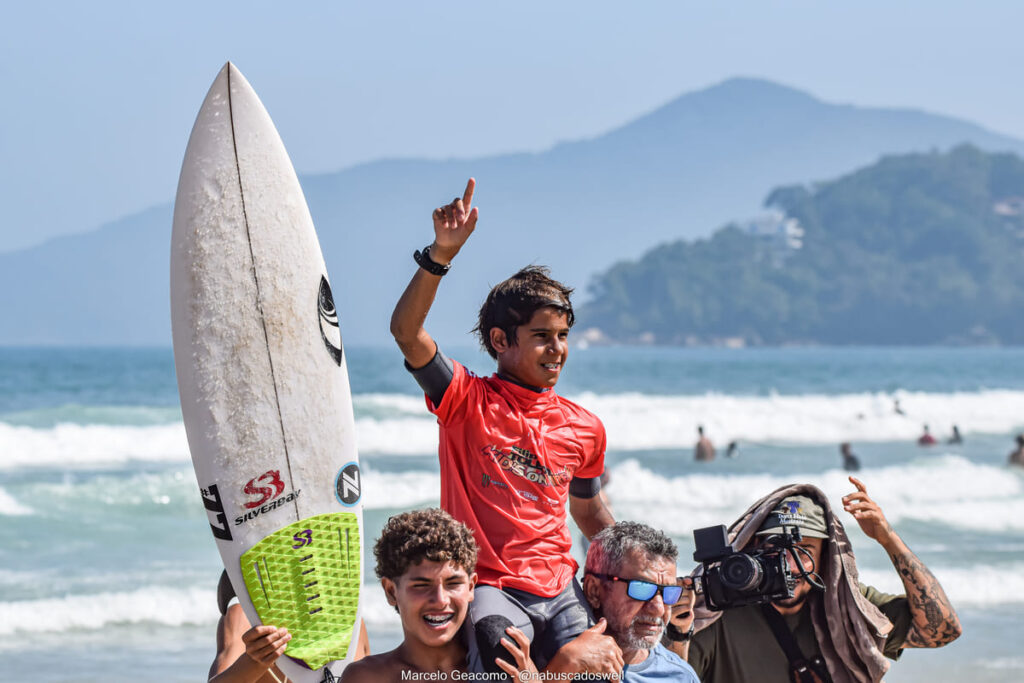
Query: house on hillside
1011,206
780,234
1011,211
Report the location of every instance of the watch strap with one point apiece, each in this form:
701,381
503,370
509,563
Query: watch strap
428,264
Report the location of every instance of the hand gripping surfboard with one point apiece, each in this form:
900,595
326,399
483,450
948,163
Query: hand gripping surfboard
263,382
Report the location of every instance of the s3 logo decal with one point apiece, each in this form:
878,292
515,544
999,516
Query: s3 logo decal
273,488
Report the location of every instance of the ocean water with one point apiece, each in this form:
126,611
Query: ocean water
108,570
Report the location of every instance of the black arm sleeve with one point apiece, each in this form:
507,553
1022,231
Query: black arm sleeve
585,488
434,377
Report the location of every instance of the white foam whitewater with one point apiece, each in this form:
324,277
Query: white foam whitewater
156,604
948,490
11,507
75,444
399,424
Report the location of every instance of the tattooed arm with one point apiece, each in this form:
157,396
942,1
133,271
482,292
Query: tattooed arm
934,621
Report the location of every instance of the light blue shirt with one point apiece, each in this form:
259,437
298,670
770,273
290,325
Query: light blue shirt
660,665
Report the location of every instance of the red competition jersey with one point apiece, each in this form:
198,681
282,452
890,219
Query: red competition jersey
507,456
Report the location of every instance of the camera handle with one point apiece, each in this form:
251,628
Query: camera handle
812,576
787,542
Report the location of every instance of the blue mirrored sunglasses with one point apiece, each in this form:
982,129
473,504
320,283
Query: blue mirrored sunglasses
646,590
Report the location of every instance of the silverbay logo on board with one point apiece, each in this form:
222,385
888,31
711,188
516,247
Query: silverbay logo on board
263,509
267,490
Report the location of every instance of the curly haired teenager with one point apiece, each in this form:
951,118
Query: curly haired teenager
425,562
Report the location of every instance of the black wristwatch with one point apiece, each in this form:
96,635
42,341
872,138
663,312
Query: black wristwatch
423,260
673,633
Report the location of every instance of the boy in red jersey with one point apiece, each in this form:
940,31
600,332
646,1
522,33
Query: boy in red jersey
512,452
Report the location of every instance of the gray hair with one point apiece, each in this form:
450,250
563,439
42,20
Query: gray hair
612,544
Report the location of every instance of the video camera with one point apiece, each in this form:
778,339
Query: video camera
733,578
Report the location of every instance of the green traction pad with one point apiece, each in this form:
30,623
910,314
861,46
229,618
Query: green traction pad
305,577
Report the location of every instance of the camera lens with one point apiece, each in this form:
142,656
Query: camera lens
741,572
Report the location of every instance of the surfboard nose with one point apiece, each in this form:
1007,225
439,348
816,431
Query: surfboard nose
230,94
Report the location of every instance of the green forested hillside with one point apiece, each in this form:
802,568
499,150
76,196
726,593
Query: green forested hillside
916,249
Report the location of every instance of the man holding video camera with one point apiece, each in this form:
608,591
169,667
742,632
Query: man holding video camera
789,606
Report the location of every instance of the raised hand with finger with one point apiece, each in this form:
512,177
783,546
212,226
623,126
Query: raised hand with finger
934,621
453,224
868,514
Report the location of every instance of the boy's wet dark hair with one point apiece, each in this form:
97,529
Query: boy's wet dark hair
431,534
513,302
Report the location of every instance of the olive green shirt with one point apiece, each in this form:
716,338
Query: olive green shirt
741,648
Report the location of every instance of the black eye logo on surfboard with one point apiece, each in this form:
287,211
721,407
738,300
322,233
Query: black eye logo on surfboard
329,330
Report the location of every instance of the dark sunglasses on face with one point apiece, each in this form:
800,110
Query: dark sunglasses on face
646,590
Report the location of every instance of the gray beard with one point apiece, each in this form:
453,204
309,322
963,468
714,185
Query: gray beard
626,638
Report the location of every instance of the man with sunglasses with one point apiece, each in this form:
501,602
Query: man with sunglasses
630,582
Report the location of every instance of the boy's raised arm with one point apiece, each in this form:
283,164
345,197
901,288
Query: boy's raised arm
453,224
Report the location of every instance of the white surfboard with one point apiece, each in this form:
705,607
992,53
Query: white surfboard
263,383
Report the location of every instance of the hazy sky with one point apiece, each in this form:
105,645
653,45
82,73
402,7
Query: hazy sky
99,97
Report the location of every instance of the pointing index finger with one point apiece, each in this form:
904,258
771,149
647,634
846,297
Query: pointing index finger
467,196
860,487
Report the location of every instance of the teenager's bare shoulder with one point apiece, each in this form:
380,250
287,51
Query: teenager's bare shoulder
384,667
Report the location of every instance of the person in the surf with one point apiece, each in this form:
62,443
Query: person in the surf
838,630
425,563
955,438
512,451
896,407
1016,457
703,450
850,461
926,438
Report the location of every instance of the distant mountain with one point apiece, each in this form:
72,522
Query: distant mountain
679,172
916,249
